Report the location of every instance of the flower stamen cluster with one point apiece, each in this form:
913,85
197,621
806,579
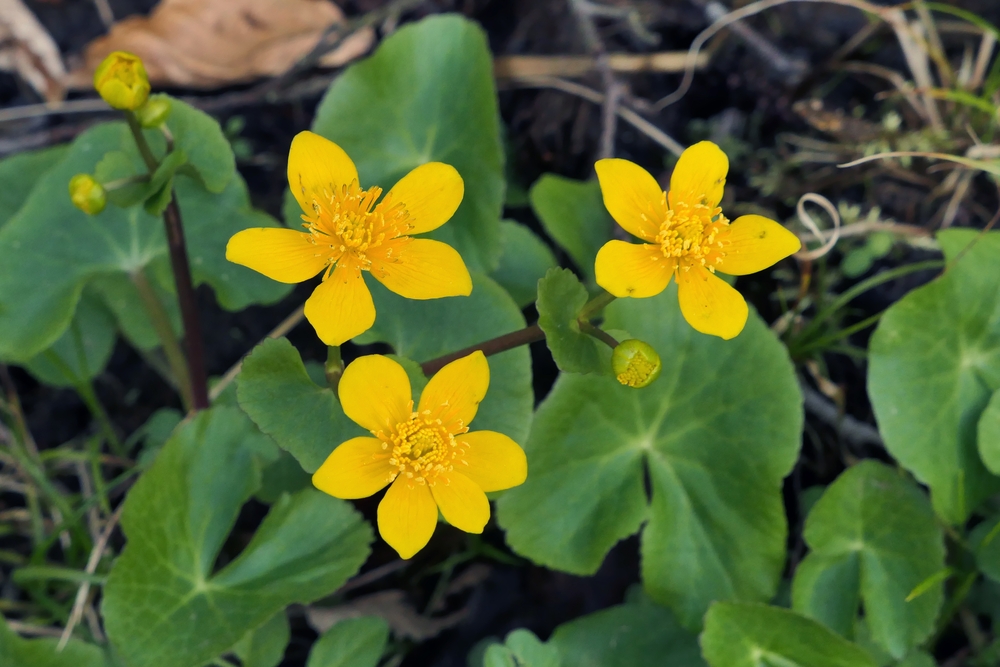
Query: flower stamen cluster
693,235
423,447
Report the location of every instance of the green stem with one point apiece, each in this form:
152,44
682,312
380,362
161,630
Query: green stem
598,333
171,346
85,388
140,141
49,573
334,367
595,305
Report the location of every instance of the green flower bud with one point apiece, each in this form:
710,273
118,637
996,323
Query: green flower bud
121,80
635,363
87,194
154,112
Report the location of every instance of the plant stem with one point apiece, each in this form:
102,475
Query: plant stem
86,391
516,338
598,333
189,304
489,347
334,367
174,227
171,347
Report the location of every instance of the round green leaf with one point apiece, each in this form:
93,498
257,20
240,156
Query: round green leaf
717,432
561,297
424,330
754,635
164,603
524,261
989,434
304,419
354,642
934,363
629,635
573,214
427,94
873,536
19,174
264,646
209,154
50,250
82,352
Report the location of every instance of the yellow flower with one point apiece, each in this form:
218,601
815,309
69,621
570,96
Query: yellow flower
349,233
87,194
687,237
121,80
428,455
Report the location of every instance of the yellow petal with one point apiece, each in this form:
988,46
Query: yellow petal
463,504
357,468
700,175
431,194
421,269
407,516
710,305
454,393
629,269
280,254
752,243
632,196
315,165
341,307
375,393
492,460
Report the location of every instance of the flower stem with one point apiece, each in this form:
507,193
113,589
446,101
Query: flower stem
522,337
174,227
598,333
489,347
171,346
334,367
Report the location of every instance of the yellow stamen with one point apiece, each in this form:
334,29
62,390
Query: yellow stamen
346,223
692,235
422,448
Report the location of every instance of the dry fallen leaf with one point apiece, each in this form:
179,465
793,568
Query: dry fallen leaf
27,49
391,606
211,43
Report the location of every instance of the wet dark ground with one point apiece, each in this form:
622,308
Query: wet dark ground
548,131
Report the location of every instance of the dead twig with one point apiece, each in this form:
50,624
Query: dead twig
664,62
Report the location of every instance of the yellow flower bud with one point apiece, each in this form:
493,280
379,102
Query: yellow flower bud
87,194
635,363
121,80
154,112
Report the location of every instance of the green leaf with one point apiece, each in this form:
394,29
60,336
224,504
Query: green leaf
122,299
573,214
19,652
424,330
19,174
524,261
164,602
988,434
561,297
49,251
918,659
715,452
355,642
304,419
873,536
118,165
264,646
82,352
756,635
209,155
529,651
985,542
934,364
629,635
284,475
427,94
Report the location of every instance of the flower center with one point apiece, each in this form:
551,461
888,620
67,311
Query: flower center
692,235
348,223
422,448
637,372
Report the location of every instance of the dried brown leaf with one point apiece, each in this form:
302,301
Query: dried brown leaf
391,606
28,50
212,43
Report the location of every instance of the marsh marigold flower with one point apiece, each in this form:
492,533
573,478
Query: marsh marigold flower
121,81
687,237
427,455
349,231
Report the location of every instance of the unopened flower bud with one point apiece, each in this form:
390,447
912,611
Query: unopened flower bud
635,363
87,194
154,112
121,80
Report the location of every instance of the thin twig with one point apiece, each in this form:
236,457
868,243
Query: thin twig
626,114
489,347
283,328
95,557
